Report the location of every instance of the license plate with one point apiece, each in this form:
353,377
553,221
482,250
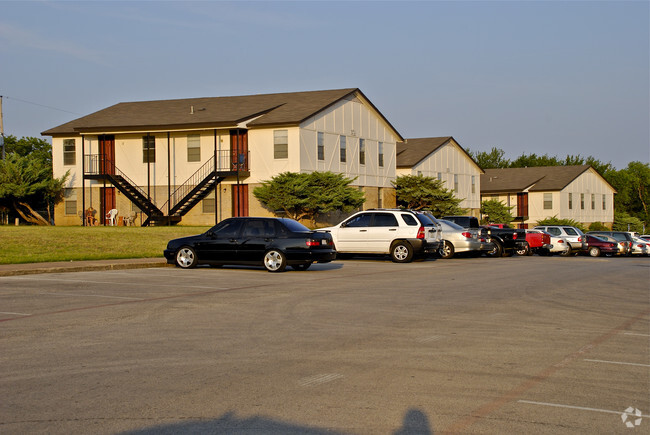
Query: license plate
323,242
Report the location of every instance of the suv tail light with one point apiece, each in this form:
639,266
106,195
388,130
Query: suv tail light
421,233
579,239
514,236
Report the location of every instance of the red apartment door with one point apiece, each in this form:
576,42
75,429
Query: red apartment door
107,154
239,200
107,195
239,149
522,204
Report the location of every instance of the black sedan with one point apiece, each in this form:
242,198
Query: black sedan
271,242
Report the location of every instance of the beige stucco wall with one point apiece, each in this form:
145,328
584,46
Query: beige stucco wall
448,161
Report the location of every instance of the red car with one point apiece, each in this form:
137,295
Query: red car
598,246
539,242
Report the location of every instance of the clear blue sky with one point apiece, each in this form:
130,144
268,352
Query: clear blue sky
546,77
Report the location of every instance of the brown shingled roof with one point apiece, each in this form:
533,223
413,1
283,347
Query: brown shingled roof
212,112
538,178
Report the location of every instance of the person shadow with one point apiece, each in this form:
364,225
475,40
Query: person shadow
415,423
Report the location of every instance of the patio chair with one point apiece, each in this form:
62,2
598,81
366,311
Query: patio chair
111,216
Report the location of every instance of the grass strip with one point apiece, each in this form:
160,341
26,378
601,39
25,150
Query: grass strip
35,244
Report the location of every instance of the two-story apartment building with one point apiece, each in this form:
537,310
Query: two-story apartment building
579,193
443,158
199,159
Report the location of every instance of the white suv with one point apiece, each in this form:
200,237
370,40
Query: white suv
575,238
401,233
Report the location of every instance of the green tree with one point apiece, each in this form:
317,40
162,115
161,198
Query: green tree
490,160
26,180
418,192
633,187
625,222
597,226
495,211
306,196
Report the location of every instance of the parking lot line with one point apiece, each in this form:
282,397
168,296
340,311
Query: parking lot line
14,314
618,362
88,296
580,408
490,407
30,277
634,333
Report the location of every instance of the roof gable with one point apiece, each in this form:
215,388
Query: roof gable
413,151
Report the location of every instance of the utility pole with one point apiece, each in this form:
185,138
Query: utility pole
2,131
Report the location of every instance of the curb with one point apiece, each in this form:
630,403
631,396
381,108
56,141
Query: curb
36,268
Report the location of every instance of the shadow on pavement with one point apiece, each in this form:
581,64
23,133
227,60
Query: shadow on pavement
415,423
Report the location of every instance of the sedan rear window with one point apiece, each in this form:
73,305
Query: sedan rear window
294,226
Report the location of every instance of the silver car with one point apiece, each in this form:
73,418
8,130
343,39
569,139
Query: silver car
573,236
458,239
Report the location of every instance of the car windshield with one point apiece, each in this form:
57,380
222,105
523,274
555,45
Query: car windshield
294,226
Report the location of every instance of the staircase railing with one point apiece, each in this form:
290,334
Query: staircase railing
201,174
96,164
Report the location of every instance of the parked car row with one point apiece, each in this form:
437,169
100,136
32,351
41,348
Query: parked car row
276,243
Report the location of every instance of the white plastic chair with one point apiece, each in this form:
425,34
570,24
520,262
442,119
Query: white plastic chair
111,216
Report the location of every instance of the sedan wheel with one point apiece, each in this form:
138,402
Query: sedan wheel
186,258
446,250
594,252
275,261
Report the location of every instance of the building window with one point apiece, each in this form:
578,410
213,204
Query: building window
342,147
281,144
380,198
456,182
582,201
570,201
362,152
148,149
70,201
593,201
473,183
321,146
439,176
604,202
193,147
69,152
548,201
381,154
208,206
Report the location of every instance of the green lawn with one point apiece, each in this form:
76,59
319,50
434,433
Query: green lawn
34,244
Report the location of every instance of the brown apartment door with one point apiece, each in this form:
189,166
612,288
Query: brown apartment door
522,204
107,195
239,149
107,154
239,200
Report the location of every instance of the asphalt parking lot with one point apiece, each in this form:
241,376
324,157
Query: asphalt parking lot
468,345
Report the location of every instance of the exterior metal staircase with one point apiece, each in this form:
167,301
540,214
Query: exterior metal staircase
183,199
